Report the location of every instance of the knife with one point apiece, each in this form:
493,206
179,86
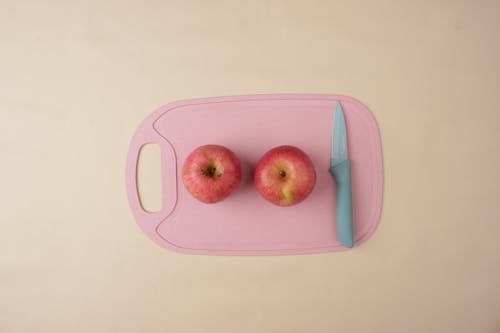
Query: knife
340,168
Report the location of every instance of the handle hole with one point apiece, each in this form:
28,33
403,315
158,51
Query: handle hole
149,182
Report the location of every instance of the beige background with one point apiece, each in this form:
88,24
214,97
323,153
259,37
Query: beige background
77,77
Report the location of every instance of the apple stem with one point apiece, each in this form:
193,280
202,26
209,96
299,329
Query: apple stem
282,174
210,172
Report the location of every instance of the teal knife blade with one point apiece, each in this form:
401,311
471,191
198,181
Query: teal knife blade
340,168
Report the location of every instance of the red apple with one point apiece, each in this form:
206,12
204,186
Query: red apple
210,173
285,176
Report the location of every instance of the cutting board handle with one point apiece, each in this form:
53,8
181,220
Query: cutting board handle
149,221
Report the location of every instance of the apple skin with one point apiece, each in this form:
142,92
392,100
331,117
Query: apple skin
211,173
285,176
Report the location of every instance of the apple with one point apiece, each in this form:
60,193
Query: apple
211,173
285,176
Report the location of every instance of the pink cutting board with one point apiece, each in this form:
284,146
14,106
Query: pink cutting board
244,223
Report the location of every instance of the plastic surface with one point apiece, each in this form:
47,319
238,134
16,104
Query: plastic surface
244,223
342,174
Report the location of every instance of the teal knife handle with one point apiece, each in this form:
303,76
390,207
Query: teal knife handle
342,174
